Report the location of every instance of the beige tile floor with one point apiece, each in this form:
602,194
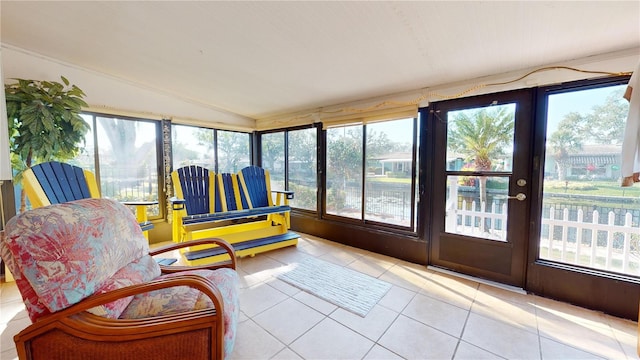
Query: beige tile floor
425,315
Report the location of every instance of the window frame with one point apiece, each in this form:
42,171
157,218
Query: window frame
413,228
159,151
286,131
216,155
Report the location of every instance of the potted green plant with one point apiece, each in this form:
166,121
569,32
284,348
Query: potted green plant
44,123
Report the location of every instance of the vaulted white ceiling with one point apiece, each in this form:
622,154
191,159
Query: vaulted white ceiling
258,59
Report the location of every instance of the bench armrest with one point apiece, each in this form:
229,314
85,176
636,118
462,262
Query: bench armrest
139,203
212,241
141,212
288,194
177,204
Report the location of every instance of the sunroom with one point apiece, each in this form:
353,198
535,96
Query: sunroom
471,142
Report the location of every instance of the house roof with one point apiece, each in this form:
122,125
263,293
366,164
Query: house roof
396,156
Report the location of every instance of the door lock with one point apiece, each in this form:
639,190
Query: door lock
519,197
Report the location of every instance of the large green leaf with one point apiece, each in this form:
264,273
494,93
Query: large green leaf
44,120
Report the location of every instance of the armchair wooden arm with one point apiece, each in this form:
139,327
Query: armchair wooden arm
74,333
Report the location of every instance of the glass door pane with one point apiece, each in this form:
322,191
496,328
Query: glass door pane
467,215
479,158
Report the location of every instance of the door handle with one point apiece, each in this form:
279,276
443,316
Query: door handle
519,197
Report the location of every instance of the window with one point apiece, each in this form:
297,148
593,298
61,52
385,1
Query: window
123,153
273,156
588,219
128,159
192,146
371,172
291,158
344,171
234,151
303,165
197,146
86,158
389,177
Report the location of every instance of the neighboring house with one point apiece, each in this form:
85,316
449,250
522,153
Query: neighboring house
397,162
592,162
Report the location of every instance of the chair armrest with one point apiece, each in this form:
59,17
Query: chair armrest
195,281
141,212
288,194
210,241
77,323
139,203
177,204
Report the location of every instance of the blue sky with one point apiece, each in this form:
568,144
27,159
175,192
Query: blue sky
577,101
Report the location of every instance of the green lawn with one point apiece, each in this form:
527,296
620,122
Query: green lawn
390,180
600,188
575,187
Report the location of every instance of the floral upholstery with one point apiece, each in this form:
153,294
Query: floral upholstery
139,271
63,253
179,299
67,252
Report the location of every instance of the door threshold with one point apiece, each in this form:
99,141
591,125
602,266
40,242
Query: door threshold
511,288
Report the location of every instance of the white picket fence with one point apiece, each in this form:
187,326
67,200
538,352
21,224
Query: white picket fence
605,253
596,248
490,225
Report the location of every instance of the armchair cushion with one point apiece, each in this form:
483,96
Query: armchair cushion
180,299
139,271
69,252
90,255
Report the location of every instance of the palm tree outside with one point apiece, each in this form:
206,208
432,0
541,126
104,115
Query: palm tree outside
482,136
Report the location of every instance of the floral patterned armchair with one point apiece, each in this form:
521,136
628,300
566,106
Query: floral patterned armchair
94,291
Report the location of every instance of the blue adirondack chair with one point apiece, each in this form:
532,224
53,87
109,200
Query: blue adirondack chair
55,182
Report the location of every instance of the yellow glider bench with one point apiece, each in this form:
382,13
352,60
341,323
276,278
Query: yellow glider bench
55,182
238,208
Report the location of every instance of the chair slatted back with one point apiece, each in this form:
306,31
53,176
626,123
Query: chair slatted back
197,185
56,183
257,188
228,185
61,182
